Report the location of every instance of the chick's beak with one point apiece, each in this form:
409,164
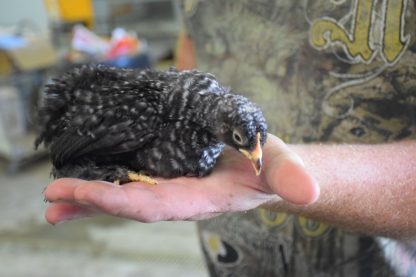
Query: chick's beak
255,156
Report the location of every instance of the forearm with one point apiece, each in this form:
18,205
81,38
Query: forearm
364,188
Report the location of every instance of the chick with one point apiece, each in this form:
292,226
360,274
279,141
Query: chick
103,123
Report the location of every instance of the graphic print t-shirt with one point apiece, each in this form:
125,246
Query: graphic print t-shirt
322,71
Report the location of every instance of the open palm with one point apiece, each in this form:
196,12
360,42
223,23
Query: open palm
232,186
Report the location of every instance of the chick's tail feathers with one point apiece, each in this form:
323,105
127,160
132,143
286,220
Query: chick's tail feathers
60,92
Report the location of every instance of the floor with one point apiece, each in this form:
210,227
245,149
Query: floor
102,246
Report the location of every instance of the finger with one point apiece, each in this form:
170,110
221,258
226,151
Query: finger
120,201
59,212
62,189
291,182
166,201
287,175
135,201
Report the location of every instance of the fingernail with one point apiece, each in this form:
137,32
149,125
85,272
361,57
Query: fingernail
296,159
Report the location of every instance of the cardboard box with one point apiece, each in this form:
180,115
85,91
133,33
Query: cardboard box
37,53
6,67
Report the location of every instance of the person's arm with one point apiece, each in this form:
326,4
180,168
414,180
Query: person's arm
365,188
185,52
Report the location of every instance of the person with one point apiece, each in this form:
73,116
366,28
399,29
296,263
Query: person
336,81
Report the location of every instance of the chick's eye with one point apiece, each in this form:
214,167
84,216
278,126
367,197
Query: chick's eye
237,138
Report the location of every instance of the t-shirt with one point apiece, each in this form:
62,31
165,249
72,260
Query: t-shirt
322,71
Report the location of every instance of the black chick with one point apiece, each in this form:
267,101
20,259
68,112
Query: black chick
102,123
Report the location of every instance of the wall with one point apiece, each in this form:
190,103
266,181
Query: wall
11,12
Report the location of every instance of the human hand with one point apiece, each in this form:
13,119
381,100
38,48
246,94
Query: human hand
232,186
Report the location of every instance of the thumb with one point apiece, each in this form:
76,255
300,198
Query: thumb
287,176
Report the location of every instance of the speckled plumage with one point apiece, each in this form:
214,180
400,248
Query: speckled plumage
99,122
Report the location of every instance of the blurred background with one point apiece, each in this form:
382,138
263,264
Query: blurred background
38,40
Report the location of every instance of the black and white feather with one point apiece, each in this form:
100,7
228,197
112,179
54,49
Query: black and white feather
100,122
